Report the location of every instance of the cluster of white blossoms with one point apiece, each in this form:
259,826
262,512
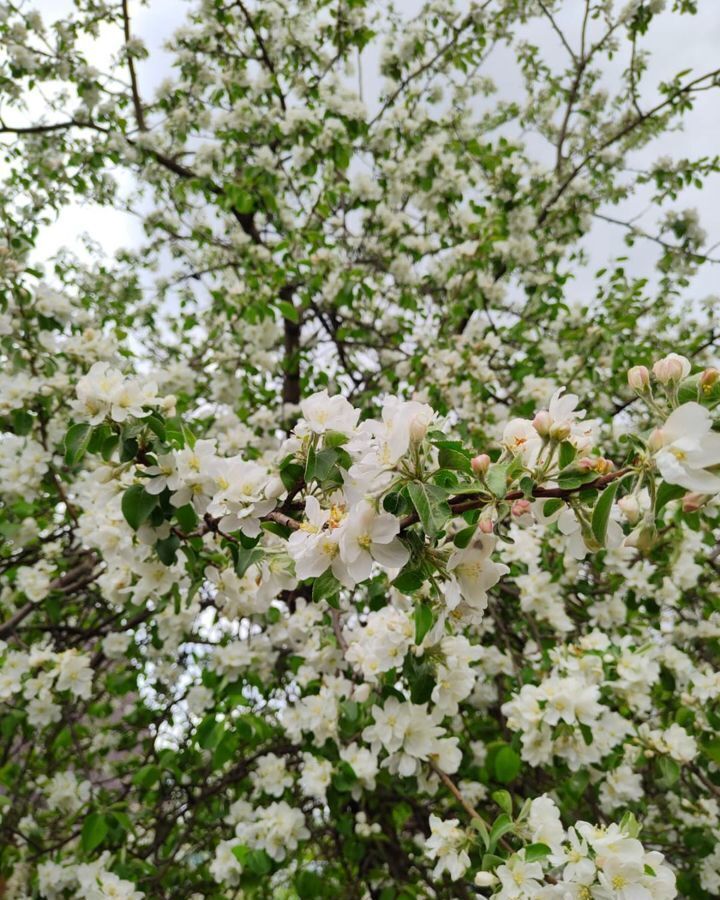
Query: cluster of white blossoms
41,678
23,463
555,716
409,733
104,392
365,607
91,880
583,861
276,829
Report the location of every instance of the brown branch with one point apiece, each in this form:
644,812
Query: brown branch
135,90
459,505
625,130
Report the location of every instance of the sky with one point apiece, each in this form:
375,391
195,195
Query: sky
677,43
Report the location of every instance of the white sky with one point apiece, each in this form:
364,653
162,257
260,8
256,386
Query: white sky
676,43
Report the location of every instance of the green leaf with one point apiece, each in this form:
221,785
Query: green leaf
566,454
501,826
76,442
167,548
259,862
601,512
667,492
482,830
464,536
291,475
537,851
503,800
186,517
496,479
431,506
324,461
93,831
711,749
424,620
137,505
226,749
157,426
146,776
507,764
246,557
325,586
409,581
22,421
288,311
669,771
552,506
449,458
333,439
401,812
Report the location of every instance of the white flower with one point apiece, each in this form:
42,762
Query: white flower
521,439
473,573
75,674
446,844
315,776
271,776
324,413
368,535
671,368
687,447
519,878
315,546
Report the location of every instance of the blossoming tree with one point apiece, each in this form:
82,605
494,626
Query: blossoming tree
342,555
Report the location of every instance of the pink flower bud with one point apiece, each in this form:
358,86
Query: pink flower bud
708,379
542,422
520,508
693,502
480,463
639,378
486,525
671,368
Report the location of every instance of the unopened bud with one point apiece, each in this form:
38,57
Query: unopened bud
671,368
485,879
480,463
542,422
559,431
418,429
643,537
693,502
361,693
656,440
486,523
520,508
595,464
708,379
639,378
630,508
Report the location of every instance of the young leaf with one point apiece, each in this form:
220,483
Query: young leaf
496,479
424,619
137,505
76,442
507,764
601,512
93,831
431,506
